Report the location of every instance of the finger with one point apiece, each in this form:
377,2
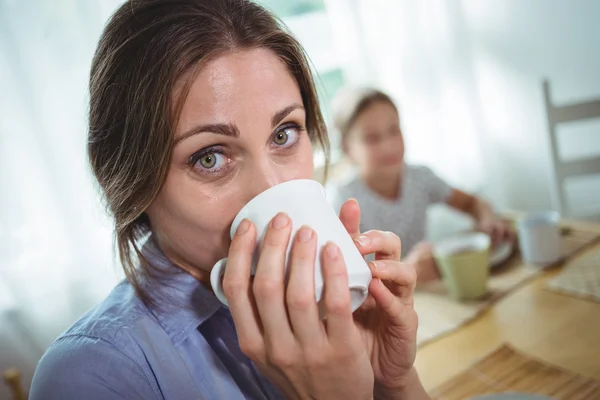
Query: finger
269,285
350,217
503,233
403,275
388,303
336,294
237,289
506,233
300,293
512,235
385,245
367,305
488,229
493,237
498,234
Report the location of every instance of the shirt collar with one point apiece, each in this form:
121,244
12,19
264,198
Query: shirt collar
181,303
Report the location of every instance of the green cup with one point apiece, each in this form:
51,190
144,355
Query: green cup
464,264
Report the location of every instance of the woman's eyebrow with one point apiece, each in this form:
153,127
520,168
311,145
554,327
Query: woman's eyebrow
220,129
280,115
231,129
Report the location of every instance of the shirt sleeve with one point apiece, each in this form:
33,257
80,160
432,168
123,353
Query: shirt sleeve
437,189
81,367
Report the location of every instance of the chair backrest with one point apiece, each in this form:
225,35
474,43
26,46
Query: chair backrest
563,170
12,378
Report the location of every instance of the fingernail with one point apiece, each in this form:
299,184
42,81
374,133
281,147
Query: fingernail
280,221
376,265
363,240
243,227
304,234
331,250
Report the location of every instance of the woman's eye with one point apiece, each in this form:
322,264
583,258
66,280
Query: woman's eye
286,136
210,161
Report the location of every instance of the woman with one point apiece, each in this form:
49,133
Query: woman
195,108
394,196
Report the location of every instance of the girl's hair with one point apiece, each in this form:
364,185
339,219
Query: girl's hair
146,47
349,103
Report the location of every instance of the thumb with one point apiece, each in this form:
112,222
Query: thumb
350,217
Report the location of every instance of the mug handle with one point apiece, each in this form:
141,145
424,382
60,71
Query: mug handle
216,281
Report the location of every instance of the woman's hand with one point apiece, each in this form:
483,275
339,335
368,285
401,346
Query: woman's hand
280,329
387,320
422,259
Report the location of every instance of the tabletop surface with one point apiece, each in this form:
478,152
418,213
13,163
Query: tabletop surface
553,327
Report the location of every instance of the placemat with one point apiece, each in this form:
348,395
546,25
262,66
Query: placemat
440,315
580,278
507,370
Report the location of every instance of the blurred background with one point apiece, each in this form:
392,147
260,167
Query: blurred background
466,74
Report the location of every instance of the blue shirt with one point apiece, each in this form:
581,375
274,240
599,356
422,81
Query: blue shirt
185,347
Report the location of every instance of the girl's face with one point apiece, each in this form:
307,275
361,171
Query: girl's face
241,131
375,142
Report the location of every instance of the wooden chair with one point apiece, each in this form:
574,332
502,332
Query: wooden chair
563,170
12,378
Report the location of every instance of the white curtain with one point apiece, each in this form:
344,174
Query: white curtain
419,53
56,250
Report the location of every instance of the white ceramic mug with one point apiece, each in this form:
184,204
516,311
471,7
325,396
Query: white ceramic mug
539,237
304,201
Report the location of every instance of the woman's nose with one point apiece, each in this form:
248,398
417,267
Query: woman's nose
262,177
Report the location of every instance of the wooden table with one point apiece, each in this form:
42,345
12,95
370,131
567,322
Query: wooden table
559,329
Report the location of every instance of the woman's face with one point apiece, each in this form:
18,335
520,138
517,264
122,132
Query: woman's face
374,142
241,131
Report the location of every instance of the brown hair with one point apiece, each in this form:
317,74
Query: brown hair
144,50
349,103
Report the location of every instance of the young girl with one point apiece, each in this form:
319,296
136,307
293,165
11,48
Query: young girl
197,106
393,195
